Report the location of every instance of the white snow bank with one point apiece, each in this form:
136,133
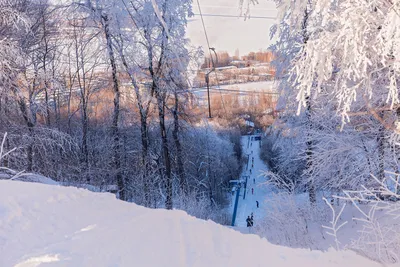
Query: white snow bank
27,177
64,226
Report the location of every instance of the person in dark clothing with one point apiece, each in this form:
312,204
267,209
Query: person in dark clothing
251,220
252,191
257,203
250,171
248,221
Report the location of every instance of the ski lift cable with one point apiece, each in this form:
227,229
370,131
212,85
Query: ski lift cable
204,28
209,51
164,25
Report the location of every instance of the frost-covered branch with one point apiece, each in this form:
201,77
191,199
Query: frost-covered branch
350,52
380,210
3,155
279,181
334,228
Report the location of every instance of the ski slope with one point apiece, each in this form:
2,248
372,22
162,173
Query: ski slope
47,225
256,182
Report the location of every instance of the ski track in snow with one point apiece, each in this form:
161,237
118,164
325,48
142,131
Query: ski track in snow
37,261
261,191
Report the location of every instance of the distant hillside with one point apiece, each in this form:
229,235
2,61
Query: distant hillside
254,67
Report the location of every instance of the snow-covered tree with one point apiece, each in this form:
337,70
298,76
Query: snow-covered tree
336,64
159,33
14,21
350,53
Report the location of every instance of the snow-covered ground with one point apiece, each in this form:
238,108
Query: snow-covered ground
37,178
27,177
47,225
240,88
264,86
256,189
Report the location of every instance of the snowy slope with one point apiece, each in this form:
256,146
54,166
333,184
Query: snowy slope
27,177
44,225
264,86
256,182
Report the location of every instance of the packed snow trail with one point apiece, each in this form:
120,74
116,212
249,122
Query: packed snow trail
54,226
256,189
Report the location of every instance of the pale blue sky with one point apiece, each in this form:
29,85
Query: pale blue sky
227,34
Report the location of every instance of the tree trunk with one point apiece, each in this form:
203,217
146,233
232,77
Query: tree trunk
161,96
311,185
165,149
46,82
145,158
309,154
85,150
29,151
381,153
115,120
83,89
143,112
179,156
70,85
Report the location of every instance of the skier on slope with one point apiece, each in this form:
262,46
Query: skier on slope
257,203
252,191
248,221
251,220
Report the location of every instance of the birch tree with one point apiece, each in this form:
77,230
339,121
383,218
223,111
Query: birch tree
104,14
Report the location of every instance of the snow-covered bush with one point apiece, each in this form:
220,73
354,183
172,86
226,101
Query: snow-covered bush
282,150
379,215
334,226
49,152
5,171
211,163
199,207
290,220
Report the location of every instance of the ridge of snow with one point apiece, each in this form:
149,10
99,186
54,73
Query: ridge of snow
65,226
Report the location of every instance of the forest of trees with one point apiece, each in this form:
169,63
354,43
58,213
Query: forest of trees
95,93
230,109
